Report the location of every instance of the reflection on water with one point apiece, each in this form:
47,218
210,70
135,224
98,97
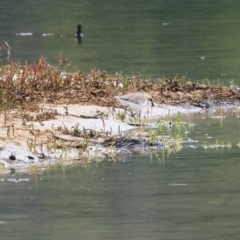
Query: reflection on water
157,37
193,194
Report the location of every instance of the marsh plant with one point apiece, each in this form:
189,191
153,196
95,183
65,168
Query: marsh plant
28,84
24,86
5,48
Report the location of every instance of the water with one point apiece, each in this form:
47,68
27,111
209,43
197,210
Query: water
158,37
190,194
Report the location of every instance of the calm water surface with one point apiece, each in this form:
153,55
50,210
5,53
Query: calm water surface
157,37
192,194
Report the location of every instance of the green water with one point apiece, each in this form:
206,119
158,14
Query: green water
158,37
190,194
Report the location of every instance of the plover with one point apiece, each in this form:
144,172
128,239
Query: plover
135,101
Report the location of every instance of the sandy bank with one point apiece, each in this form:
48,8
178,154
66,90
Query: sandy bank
66,136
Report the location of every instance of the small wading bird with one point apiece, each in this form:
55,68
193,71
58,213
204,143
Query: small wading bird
78,33
135,101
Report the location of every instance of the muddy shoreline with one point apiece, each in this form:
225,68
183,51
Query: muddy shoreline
54,117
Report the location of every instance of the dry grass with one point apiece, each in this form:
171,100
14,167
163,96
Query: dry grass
25,85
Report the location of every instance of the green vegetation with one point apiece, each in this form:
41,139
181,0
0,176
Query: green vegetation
23,88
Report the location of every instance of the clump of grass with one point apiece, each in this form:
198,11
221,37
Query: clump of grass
5,47
39,117
27,84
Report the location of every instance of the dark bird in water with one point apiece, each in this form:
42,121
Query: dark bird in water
79,33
